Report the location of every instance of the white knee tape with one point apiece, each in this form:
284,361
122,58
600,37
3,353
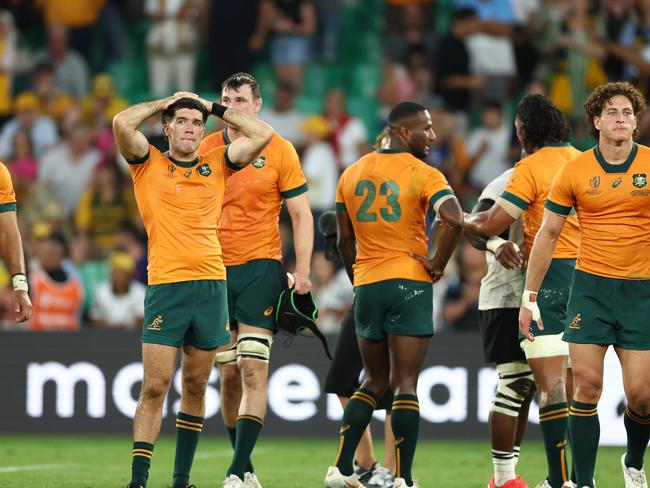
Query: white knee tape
515,380
254,346
225,357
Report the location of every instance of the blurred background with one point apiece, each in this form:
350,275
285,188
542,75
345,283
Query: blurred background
330,70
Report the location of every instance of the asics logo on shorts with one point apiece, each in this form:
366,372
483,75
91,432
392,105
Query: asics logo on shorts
344,428
399,441
268,311
575,323
156,324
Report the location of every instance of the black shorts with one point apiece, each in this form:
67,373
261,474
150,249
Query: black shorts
500,335
343,375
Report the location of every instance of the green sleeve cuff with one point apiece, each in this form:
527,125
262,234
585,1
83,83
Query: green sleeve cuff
7,207
295,191
438,195
557,208
229,163
139,160
340,207
515,200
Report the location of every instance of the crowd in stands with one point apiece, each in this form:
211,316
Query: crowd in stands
330,70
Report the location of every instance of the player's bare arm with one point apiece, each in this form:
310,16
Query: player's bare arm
448,232
346,242
491,222
538,263
12,251
255,134
131,142
506,253
302,222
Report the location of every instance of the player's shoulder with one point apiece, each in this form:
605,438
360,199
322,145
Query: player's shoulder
211,141
643,151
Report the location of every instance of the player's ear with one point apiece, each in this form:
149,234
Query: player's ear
165,129
596,121
258,104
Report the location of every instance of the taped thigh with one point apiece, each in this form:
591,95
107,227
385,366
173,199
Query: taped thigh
226,357
515,381
254,346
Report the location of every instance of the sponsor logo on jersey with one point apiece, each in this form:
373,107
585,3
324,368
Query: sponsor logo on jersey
575,323
204,169
259,162
617,182
639,180
156,323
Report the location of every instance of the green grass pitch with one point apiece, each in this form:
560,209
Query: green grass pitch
104,461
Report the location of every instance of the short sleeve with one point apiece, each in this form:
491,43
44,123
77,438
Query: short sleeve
436,188
292,181
138,167
561,199
521,188
340,202
7,195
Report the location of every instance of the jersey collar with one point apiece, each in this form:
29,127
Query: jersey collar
182,164
390,151
226,139
616,168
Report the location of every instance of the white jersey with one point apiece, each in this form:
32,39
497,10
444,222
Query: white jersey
501,287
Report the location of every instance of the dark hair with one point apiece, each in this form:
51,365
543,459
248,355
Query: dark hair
604,93
463,13
186,102
236,81
492,105
541,121
403,111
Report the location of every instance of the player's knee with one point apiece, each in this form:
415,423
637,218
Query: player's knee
256,347
254,374
194,384
406,385
514,387
552,390
587,386
376,384
638,399
229,376
154,388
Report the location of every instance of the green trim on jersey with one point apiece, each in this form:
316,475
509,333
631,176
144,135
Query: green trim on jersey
7,207
515,200
616,168
182,164
558,209
391,151
438,195
557,144
230,164
294,192
340,207
139,160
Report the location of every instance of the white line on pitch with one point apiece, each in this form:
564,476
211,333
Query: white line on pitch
31,467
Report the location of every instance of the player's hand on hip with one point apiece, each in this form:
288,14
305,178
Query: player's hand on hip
22,306
433,270
528,313
301,283
509,255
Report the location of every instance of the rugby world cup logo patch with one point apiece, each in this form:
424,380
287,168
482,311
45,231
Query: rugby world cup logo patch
639,180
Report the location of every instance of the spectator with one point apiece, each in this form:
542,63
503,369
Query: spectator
22,162
348,137
53,100
171,45
78,17
460,308
105,207
456,84
102,103
41,128
333,293
132,240
320,168
57,294
70,69
488,145
69,166
8,39
228,24
293,25
283,117
491,48
328,14
119,303
416,30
